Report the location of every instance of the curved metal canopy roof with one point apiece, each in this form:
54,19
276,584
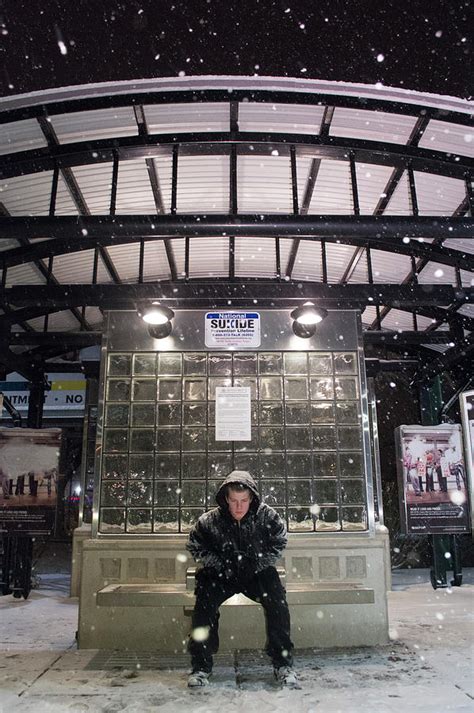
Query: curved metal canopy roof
234,191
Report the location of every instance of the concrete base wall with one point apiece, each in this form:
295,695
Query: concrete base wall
344,578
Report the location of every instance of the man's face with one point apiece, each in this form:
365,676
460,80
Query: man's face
239,503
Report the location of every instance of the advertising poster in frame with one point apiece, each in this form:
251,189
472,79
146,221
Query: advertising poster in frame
467,415
29,473
432,480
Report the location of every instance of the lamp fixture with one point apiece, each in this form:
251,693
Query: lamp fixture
158,317
305,319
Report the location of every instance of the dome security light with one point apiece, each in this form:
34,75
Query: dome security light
305,319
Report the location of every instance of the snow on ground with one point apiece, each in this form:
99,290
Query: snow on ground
427,667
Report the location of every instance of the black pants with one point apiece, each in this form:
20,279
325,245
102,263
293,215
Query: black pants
264,587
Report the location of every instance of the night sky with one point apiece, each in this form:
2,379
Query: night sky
422,45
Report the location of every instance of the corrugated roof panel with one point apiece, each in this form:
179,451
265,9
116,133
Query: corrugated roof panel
203,184
368,316
308,263
178,248
64,202
445,136
264,184
187,118
57,322
371,182
209,257
400,203
387,267
27,195
434,273
95,182
21,136
8,244
126,260
255,257
27,274
371,125
467,309
94,125
281,118
286,245
94,316
467,278
134,192
74,268
333,191
464,245
398,319
156,265
103,275
438,195
360,273
338,257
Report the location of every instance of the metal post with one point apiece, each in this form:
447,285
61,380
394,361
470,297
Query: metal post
35,404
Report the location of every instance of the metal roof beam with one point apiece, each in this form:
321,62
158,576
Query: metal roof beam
461,351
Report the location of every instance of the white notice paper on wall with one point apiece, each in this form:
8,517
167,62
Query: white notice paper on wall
233,413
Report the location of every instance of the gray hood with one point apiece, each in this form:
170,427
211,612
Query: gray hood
244,478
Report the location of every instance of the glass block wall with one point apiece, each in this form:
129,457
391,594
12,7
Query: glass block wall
161,464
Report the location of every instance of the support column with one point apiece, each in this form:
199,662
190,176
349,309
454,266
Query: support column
36,404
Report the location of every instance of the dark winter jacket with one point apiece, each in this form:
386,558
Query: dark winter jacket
238,549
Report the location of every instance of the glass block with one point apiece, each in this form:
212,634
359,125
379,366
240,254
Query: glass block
298,465
115,439
273,492
346,387
271,438
296,388
295,363
248,462
169,389
270,413
195,363
143,414
113,493
220,364
324,465
193,493
320,363
166,493
247,381
345,363
324,438
195,414
167,466
351,465
213,445
169,414
272,465
322,412
140,492
142,440
298,439
245,363
114,467
112,520
269,363
327,520
347,412
165,520
170,363
354,519
251,445
325,492
212,488
119,364
116,414
214,382
141,467
270,388
349,437
144,389
296,413
118,390
211,413
254,413
168,439
195,389
353,492
300,520
299,492
144,364
194,466
322,388
139,520
219,465
194,439
189,517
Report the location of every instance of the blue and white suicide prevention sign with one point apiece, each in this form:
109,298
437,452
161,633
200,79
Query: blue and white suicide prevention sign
232,329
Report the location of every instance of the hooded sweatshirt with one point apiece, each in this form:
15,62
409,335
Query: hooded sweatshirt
238,549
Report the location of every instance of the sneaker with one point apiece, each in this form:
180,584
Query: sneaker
198,679
286,676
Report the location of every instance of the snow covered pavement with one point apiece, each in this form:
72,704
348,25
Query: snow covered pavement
427,667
